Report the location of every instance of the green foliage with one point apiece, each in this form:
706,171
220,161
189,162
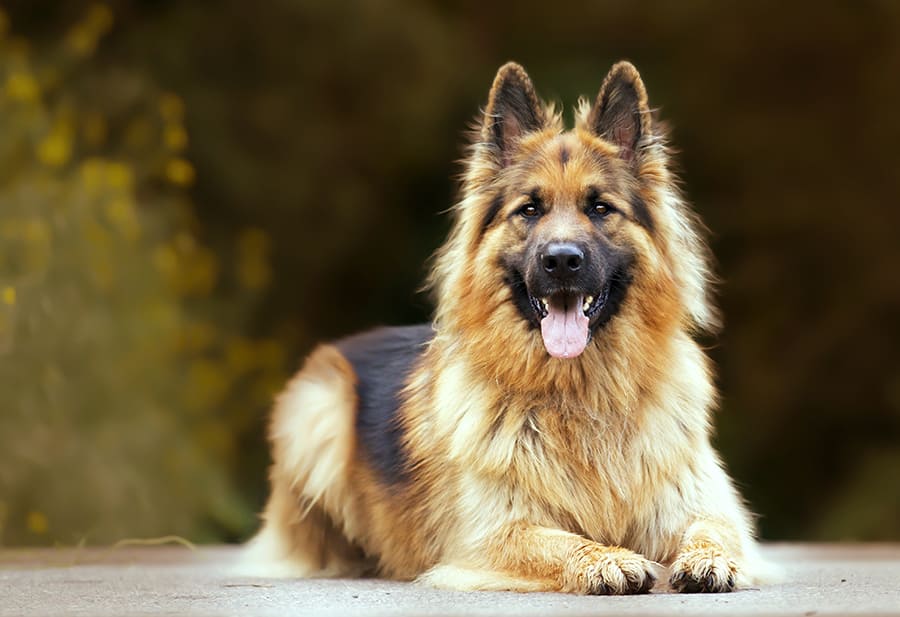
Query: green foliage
124,385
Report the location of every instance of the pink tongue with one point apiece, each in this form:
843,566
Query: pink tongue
565,329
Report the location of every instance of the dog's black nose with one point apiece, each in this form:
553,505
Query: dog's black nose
562,260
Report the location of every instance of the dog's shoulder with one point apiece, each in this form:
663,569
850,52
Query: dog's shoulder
382,360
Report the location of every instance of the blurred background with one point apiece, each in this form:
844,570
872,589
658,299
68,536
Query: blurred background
192,194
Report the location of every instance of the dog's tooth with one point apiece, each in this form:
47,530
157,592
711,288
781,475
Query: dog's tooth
585,307
589,300
546,303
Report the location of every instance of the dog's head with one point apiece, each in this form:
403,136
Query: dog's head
562,230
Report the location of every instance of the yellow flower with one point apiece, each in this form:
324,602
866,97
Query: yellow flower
9,295
175,137
180,172
83,38
254,274
21,86
81,41
92,172
99,18
119,176
37,522
55,149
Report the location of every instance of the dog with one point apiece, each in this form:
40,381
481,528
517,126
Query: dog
550,429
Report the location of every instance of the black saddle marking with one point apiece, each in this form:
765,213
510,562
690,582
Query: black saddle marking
383,360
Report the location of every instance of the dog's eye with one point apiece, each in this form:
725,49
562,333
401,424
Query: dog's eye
530,210
599,208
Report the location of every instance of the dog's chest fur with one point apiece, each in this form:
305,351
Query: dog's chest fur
549,459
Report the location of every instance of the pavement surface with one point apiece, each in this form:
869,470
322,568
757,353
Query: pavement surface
175,580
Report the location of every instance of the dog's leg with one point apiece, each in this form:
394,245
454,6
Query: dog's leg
312,441
299,540
527,557
706,558
472,578
715,550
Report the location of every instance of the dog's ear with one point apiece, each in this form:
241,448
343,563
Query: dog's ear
513,110
621,114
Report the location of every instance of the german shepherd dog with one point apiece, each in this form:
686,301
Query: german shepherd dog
550,430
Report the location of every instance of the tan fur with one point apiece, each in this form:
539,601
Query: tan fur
529,473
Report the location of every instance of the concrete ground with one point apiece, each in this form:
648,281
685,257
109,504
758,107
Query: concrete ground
173,580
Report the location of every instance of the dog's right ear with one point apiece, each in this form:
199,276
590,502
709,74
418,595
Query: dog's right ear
513,110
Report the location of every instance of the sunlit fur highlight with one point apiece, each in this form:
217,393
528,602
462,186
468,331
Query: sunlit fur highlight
527,474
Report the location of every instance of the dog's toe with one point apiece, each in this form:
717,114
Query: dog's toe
611,571
703,570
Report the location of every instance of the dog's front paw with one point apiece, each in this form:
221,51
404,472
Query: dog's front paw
703,569
604,570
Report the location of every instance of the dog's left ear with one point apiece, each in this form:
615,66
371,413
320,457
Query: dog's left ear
513,110
621,114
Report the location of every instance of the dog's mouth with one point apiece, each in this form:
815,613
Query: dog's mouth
568,318
565,318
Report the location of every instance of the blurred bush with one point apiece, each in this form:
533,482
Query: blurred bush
124,385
